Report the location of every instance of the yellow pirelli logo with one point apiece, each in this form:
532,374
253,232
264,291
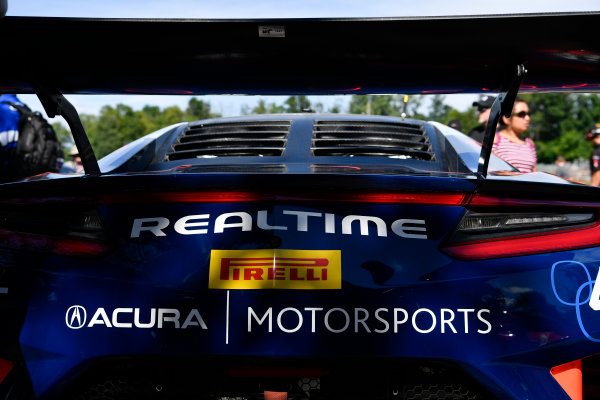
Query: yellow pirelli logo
275,269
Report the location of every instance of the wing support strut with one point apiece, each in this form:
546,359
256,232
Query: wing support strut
56,104
502,106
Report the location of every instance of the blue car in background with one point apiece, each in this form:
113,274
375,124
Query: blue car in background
300,256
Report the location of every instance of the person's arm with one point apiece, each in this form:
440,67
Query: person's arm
595,178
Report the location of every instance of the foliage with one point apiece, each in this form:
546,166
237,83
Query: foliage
438,111
200,109
296,104
293,104
335,109
559,122
375,105
263,108
441,112
64,137
571,145
392,105
414,105
468,119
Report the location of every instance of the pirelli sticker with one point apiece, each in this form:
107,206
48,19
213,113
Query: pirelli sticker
275,269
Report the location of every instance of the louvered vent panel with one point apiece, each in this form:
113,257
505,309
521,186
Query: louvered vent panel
231,139
366,138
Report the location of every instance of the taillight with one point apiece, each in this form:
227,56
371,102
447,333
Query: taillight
75,230
5,367
505,231
423,198
569,377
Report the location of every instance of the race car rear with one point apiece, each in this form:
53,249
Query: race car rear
375,280
306,256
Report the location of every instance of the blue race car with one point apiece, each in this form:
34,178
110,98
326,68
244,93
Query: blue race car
300,256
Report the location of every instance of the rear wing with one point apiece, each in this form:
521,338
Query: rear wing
471,54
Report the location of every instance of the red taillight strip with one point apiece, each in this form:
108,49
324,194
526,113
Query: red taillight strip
526,244
181,197
412,198
5,367
233,197
482,200
36,242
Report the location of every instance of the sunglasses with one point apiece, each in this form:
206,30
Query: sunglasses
522,114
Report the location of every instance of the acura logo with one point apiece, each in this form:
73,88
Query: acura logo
76,317
129,317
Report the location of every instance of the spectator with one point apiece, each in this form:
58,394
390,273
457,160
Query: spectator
455,124
73,165
484,105
9,133
561,167
593,135
509,145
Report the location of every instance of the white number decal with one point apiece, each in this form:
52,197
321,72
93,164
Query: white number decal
595,299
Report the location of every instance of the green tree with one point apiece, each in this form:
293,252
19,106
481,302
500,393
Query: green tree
172,115
120,125
263,108
468,119
200,109
559,122
375,105
392,105
548,111
438,110
570,144
296,104
64,137
115,127
336,108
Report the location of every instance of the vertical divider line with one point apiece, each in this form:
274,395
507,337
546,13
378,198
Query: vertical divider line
227,320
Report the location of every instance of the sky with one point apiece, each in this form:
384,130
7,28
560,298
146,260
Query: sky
242,9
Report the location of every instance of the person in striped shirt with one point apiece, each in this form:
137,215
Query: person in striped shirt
508,143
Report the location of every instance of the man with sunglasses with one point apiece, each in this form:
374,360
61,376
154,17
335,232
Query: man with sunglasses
593,135
483,105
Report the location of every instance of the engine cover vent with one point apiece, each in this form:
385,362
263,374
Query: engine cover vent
368,138
231,139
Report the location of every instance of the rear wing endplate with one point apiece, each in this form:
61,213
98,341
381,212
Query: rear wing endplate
55,104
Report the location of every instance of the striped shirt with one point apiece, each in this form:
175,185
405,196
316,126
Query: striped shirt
521,156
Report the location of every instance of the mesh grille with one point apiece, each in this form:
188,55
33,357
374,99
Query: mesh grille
232,139
439,392
365,138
